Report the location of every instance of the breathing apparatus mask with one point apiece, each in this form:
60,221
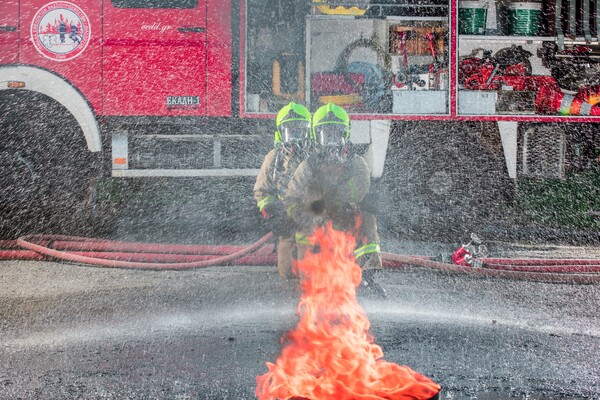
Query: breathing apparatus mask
294,135
331,132
293,128
331,138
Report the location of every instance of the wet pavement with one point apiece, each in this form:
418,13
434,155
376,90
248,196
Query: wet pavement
74,332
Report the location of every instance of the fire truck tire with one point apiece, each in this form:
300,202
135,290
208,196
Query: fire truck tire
440,182
45,165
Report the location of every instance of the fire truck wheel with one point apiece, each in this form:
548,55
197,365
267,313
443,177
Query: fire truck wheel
440,182
45,166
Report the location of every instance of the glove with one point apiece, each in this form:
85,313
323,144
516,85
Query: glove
276,208
281,225
278,221
343,214
348,211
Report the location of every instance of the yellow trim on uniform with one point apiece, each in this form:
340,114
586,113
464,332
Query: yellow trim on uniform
301,238
354,189
290,209
367,249
264,202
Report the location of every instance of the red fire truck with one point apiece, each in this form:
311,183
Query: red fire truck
451,101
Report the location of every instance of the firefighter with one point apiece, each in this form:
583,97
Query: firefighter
62,30
331,185
74,34
290,149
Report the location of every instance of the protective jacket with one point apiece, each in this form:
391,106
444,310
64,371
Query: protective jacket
322,189
270,188
275,174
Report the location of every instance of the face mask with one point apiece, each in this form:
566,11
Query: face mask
294,131
331,134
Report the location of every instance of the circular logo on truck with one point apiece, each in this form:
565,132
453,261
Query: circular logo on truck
60,31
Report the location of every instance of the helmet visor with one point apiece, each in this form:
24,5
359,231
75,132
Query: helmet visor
331,134
294,131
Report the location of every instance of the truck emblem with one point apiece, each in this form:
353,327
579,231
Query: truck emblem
60,31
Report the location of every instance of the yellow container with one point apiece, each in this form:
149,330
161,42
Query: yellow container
339,10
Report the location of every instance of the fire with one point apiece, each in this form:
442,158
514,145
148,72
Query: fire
331,354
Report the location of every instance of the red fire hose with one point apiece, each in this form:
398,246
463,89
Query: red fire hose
115,254
174,257
535,269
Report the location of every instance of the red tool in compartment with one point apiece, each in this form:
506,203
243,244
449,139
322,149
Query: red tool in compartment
551,99
489,72
341,88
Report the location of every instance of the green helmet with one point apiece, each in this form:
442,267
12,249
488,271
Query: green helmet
330,126
293,124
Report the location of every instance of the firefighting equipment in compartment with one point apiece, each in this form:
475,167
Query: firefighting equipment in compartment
551,100
572,68
491,72
429,8
358,8
357,86
341,89
410,40
377,77
288,77
374,88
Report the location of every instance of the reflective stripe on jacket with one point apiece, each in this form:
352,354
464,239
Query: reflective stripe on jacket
367,249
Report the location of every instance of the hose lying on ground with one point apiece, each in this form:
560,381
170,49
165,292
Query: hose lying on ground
207,255
539,272
153,256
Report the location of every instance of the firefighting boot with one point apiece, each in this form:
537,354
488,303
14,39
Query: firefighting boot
368,282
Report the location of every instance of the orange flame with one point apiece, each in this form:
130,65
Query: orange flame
331,355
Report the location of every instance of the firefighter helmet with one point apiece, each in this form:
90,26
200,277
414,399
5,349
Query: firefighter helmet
331,126
293,124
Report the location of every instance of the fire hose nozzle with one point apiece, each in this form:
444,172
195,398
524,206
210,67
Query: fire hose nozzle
476,239
466,253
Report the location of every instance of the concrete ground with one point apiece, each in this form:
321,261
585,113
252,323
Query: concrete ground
75,332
